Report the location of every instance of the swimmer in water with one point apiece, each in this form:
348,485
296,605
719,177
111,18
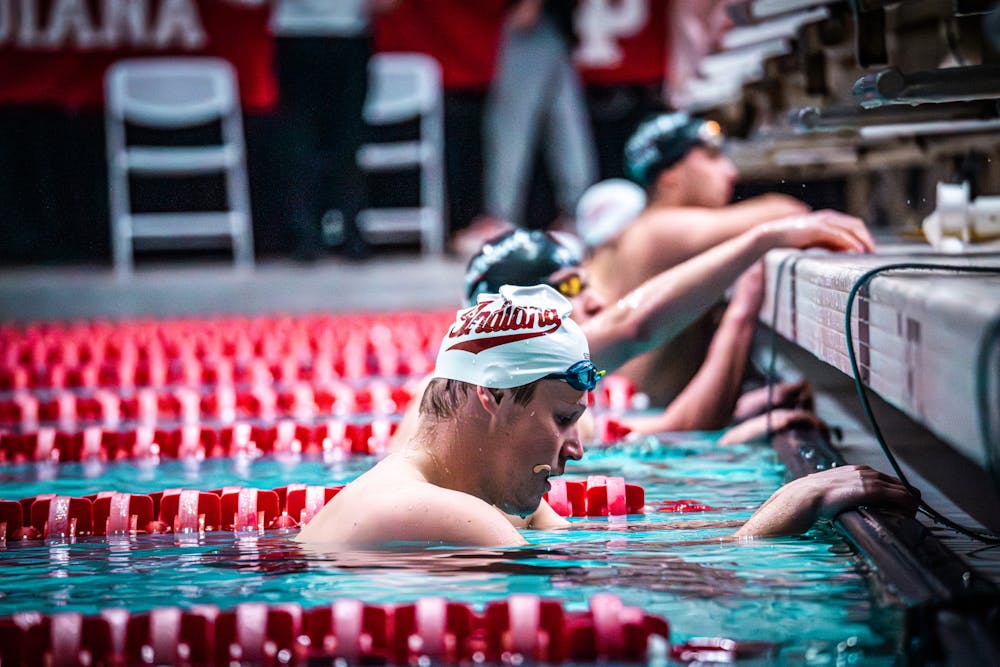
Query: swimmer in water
498,418
501,416
688,182
661,308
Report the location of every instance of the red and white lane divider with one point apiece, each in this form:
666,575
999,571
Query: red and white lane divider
242,509
511,631
335,435
597,496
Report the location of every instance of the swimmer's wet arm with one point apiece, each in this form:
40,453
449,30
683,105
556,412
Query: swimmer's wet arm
796,506
659,309
706,403
666,304
676,234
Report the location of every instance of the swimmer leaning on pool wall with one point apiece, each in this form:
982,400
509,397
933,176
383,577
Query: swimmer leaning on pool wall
499,418
659,309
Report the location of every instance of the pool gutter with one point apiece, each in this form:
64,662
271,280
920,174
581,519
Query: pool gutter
952,613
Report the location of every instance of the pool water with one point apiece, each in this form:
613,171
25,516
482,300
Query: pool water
810,594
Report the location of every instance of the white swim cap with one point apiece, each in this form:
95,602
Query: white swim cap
606,208
513,338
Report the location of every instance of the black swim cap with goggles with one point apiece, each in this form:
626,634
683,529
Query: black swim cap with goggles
521,257
661,142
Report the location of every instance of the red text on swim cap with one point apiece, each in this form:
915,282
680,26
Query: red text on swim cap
528,322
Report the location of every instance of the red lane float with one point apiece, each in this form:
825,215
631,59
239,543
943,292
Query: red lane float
120,513
186,511
173,510
610,430
521,628
186,405
61,516
613,392
598,496
243,509
285,436
302,502
135,354
246,509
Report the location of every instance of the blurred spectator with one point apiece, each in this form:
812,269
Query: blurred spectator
323,47
535,96
463,38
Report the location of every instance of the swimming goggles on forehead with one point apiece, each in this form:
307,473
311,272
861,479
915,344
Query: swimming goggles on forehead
582,376
710,134
570,286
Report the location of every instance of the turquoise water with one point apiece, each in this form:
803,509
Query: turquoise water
807,594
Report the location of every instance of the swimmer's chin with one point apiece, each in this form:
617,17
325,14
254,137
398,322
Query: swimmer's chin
521,511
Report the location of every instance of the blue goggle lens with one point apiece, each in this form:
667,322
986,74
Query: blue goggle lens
582,376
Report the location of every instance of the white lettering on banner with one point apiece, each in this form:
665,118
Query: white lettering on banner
126,18
118,23
70,19
601,23
28,35
5,22
179,18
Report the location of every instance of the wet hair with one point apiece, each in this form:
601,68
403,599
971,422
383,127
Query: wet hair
662,141
443,397
518,257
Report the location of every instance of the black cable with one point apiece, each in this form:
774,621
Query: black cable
990,338
982,399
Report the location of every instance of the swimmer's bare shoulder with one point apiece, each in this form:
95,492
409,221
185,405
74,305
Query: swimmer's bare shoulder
364,515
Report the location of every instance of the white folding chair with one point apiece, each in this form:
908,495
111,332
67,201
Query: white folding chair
172,94
404,87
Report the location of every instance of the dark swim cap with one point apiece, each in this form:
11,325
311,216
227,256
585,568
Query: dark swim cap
660,142
519,257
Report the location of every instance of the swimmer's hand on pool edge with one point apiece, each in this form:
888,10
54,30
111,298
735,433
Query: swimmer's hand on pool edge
796,506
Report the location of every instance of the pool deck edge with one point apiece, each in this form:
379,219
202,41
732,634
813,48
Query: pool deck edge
950,608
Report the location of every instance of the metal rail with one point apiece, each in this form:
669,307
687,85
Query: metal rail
951,84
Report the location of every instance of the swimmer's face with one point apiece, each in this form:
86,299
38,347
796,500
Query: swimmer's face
574,284
706,176
542,433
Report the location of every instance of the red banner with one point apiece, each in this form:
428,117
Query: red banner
462,35
57,51
620,41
